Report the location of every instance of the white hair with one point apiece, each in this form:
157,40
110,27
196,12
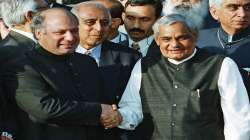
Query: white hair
216,3
195,12
75,9
13,11
171,19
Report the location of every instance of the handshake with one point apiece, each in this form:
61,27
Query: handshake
110,116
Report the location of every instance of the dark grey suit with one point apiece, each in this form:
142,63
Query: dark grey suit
11,48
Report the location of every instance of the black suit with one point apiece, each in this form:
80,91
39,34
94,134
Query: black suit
12,47
59,96
115,65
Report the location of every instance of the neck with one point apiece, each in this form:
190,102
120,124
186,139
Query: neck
231,31
113,34
86,46
23,27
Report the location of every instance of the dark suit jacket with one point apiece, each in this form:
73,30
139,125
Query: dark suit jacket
12,47
116,64
59,96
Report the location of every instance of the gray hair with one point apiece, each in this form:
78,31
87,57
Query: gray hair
13,11
216,3
75,9
171,19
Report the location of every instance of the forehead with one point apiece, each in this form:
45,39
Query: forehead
238,2
182,1
177,28
57,21
140,11
93,12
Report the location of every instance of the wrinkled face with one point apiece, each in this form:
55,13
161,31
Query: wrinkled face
59,35
138,21
234,15
175,41
94,25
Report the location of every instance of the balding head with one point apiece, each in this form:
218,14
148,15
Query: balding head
56,30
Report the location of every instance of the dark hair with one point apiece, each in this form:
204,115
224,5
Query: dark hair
157,4
116,9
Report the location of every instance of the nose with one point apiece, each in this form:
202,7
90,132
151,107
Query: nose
137,24
174,43
69,36
98,26
241,12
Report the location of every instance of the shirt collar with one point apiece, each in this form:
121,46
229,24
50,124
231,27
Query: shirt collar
95,52
226,38
27,34
144,44
119,38
184,60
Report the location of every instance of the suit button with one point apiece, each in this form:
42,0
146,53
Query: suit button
174,105
172,124
76,74
70,63
175,86
177,69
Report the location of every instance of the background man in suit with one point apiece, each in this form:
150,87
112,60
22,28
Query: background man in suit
116,9
139,17
232,38
17,15
190,93
57,89
115,61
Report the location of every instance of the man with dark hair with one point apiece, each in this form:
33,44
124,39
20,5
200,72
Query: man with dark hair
139,17
116,9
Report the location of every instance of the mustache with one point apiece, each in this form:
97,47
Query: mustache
136,30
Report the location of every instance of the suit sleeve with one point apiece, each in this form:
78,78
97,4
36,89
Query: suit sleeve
35,98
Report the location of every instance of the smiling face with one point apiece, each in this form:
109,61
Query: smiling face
59,34
176,41
94,23
234,15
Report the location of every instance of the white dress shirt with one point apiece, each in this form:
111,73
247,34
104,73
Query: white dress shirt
94,52
119,38
234,98
144,44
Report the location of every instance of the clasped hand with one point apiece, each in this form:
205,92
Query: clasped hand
110,116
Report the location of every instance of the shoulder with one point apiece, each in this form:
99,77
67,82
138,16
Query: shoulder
118,48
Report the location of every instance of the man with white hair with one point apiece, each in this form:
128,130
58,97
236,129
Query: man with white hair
232,38
17,14
189,93
195,10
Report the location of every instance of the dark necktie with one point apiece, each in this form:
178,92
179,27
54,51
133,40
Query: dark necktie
135,46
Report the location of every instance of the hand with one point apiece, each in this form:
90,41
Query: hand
110,116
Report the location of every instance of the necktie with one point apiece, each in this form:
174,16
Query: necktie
135,46
88,52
